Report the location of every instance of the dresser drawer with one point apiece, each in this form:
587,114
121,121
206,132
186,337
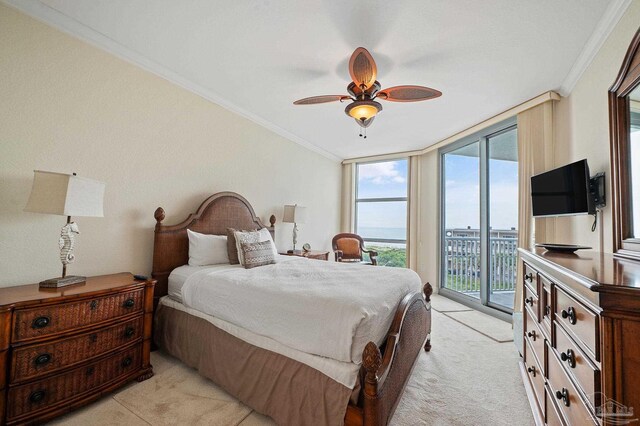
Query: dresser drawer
535,373
534,338
573,409
531,302
579,321
579,366
57,390
552,412
36,360
49,320
530,277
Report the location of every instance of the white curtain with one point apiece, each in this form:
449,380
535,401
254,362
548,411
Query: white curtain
535,155
347,217
413,212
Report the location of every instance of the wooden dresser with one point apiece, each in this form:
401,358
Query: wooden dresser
581,355
62,348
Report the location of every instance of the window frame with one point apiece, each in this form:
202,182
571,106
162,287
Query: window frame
482,137
405,199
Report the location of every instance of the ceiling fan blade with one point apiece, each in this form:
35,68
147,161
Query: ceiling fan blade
363,68
321,99
408,93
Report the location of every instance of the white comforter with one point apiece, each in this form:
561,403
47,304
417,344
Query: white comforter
323,308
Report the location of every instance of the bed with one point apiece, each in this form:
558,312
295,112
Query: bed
292,380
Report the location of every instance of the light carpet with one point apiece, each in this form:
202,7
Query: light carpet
466,379
444,304
494,328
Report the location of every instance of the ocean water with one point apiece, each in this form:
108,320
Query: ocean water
383,233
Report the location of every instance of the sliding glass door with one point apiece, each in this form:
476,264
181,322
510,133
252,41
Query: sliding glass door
479,217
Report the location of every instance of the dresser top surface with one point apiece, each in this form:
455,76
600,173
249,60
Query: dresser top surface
601,270
33,292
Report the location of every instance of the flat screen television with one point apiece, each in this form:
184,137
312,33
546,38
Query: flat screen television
563,191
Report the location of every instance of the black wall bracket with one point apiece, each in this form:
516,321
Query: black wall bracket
598,191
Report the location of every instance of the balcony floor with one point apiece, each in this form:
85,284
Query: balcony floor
502,298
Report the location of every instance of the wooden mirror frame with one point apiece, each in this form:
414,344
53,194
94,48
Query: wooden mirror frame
628,79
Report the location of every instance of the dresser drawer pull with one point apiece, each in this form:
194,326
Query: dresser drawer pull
569,313
570,357
37,396
529,277
529,301
130,331
90,371
547,311
126,362
93,305
93,338
40,322
129,303
42,359
532,370
564,396
532,335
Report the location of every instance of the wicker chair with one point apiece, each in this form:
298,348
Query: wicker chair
350,247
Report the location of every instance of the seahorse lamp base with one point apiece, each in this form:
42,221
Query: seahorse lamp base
63,281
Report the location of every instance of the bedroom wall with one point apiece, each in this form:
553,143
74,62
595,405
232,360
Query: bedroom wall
69,107
582,127
428,250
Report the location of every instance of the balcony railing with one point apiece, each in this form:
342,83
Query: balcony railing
462,256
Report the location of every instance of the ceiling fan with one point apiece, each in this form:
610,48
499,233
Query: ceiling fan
364,89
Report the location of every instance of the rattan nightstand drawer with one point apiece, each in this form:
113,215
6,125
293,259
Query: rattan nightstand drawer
43,321
32,397
35,360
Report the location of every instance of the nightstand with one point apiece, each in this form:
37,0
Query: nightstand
311,254
63,348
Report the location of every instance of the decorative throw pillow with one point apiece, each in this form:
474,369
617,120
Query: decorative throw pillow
265,235
232,247
257,236
257,254
245,237
207,249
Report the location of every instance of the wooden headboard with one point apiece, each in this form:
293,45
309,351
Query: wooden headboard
217,213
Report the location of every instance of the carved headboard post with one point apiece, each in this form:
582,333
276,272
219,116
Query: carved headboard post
272,228
159,216
217,213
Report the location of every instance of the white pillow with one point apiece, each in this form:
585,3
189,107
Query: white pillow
207,249
248,237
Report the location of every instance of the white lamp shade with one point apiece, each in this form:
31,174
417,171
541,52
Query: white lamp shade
294,214
66,195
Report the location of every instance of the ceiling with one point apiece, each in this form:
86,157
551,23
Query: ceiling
257,57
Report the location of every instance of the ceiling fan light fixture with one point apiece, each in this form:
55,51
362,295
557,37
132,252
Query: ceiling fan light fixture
363,110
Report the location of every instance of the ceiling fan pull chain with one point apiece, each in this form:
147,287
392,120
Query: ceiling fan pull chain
365,132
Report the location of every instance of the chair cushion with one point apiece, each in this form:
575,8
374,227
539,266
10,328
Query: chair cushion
350,248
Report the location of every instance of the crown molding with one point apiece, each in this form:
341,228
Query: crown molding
607,23
68,25
505,115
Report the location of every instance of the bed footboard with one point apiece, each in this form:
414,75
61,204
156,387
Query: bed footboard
387,374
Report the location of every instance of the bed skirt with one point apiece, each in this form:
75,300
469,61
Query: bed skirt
288,391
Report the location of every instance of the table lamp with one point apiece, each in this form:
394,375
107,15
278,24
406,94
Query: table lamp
294,214
66,195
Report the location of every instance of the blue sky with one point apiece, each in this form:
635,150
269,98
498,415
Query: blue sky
389,179
462,192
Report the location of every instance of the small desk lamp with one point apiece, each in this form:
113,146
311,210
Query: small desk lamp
66,195
294,214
